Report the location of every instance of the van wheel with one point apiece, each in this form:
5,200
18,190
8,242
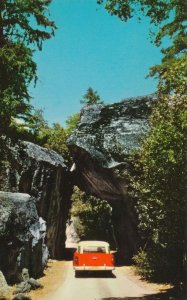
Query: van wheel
77,274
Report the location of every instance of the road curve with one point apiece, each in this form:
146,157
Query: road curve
97,286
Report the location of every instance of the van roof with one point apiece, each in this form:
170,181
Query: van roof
93,243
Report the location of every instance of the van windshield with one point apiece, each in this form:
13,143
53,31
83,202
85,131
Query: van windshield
89,249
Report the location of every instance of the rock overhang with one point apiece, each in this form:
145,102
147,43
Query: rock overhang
102,142
104,132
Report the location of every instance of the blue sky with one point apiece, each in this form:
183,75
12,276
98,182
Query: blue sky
91,48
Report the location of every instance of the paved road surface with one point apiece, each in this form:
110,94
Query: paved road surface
97,286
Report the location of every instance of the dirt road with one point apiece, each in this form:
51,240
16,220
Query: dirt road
97,286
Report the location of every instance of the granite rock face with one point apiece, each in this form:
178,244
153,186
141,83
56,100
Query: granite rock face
22,236
27,283
41,173
100,147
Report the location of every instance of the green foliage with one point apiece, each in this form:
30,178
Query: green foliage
21,24
169,18
30,128
142,261
17,70
91,97
93,216
36,129
120,8
36,123
158,180
72,122
159,187
158,12
23,21
172,74
167,261
55,138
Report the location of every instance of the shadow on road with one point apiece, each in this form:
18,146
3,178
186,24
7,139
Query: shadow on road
165,295
68,253
95,274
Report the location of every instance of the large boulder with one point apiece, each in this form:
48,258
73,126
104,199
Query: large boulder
27,283
41,173
103,140
22,236
100,147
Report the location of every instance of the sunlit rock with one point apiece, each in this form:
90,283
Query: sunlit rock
100,147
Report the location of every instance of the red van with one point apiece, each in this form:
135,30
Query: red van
93,256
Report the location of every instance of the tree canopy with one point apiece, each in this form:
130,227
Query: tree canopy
24,25
168,18
159,175
23,21
173,13
160,191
